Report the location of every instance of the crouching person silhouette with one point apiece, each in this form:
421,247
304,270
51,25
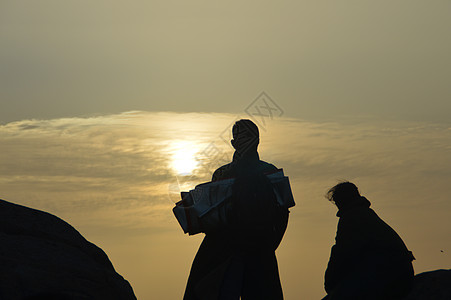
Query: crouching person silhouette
239,259
369,260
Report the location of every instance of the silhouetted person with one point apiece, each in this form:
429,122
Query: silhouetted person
239,259
369,260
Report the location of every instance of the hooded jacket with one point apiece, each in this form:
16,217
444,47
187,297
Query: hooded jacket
365,243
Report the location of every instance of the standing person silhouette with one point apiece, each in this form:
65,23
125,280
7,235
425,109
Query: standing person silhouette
369,260
239,260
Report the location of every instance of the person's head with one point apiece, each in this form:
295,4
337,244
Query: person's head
245,136
343,193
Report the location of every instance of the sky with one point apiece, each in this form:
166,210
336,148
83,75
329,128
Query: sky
322,58
116,178
110,108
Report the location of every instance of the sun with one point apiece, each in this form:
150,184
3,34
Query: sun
183,159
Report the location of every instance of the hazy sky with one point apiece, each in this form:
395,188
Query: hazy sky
321,58
103,103
116,177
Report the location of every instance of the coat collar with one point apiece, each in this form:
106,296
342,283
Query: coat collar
355,204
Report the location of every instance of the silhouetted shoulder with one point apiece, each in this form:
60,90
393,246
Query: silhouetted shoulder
222,172
267,166
230,170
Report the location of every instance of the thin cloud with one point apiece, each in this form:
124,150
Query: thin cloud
125,160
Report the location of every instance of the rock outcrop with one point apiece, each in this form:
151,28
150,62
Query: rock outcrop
434,285
43,257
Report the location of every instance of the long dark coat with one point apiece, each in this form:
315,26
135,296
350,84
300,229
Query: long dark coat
369,259
240,257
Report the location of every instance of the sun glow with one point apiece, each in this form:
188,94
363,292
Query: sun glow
183,158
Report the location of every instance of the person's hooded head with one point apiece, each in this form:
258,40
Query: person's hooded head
245,136
346,195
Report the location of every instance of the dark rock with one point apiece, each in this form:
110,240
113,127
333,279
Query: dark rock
434,285
43,257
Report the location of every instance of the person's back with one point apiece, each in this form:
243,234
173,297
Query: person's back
369,260
239,260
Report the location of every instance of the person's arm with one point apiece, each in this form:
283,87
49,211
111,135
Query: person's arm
281,227
345,253
332,275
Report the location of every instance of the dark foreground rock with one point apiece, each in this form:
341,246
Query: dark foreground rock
43,257
434,285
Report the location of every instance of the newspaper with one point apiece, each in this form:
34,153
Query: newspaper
202,206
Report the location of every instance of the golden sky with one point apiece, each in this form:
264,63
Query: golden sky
116,177
103,103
